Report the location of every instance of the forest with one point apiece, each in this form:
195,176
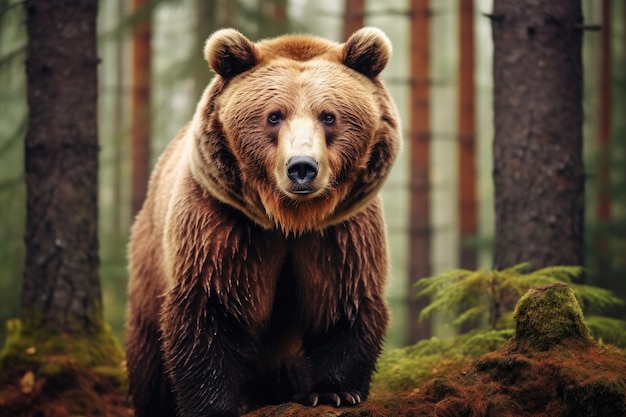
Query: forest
505,211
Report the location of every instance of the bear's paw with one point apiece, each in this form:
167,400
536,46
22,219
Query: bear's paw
337,399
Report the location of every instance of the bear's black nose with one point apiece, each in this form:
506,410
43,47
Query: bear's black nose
302,169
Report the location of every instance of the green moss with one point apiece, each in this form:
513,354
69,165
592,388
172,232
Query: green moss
50,351
408,368
479,342
547,315
401,370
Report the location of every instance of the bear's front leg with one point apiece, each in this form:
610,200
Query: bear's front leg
206,350
219,301
343,358
342,273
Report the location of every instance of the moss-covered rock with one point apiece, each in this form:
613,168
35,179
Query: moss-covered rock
545,317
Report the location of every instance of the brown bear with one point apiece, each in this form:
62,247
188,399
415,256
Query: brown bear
259,259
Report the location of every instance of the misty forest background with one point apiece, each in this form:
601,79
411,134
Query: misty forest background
447,232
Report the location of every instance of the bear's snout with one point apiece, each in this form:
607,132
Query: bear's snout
302,170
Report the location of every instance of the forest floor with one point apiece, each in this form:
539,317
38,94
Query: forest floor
551,367
576,382
76,391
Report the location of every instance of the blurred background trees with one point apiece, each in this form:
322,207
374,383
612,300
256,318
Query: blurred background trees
440,198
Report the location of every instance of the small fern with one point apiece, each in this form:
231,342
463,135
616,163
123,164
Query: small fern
607,330
469,295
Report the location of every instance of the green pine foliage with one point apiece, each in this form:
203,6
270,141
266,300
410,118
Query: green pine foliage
469,296
607,330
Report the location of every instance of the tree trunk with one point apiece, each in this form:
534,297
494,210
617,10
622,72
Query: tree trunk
140,108
538,168
120,219
61,289
466,172
61,358
353,17
419,222
228,13
603,182
206,23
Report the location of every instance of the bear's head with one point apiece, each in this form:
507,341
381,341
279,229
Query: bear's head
297,132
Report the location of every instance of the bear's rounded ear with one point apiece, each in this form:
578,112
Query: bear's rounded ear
230,53
367,51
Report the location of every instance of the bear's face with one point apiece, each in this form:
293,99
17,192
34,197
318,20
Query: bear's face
310,134
306,123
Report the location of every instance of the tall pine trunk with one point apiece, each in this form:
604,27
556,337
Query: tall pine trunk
140,107
62,332
207,22
62,358
120,218
419,181
55,354
604,113
538,168
353,17
61,288
466,172
603,172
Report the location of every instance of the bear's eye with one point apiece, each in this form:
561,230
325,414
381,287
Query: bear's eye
327,118
274,117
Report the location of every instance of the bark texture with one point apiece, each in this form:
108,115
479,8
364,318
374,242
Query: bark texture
538,168
61,289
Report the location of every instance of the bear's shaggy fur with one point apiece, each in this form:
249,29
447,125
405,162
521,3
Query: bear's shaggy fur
259,260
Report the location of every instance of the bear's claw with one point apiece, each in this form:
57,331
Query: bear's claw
347,398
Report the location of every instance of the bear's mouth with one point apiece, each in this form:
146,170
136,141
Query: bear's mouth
302,190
